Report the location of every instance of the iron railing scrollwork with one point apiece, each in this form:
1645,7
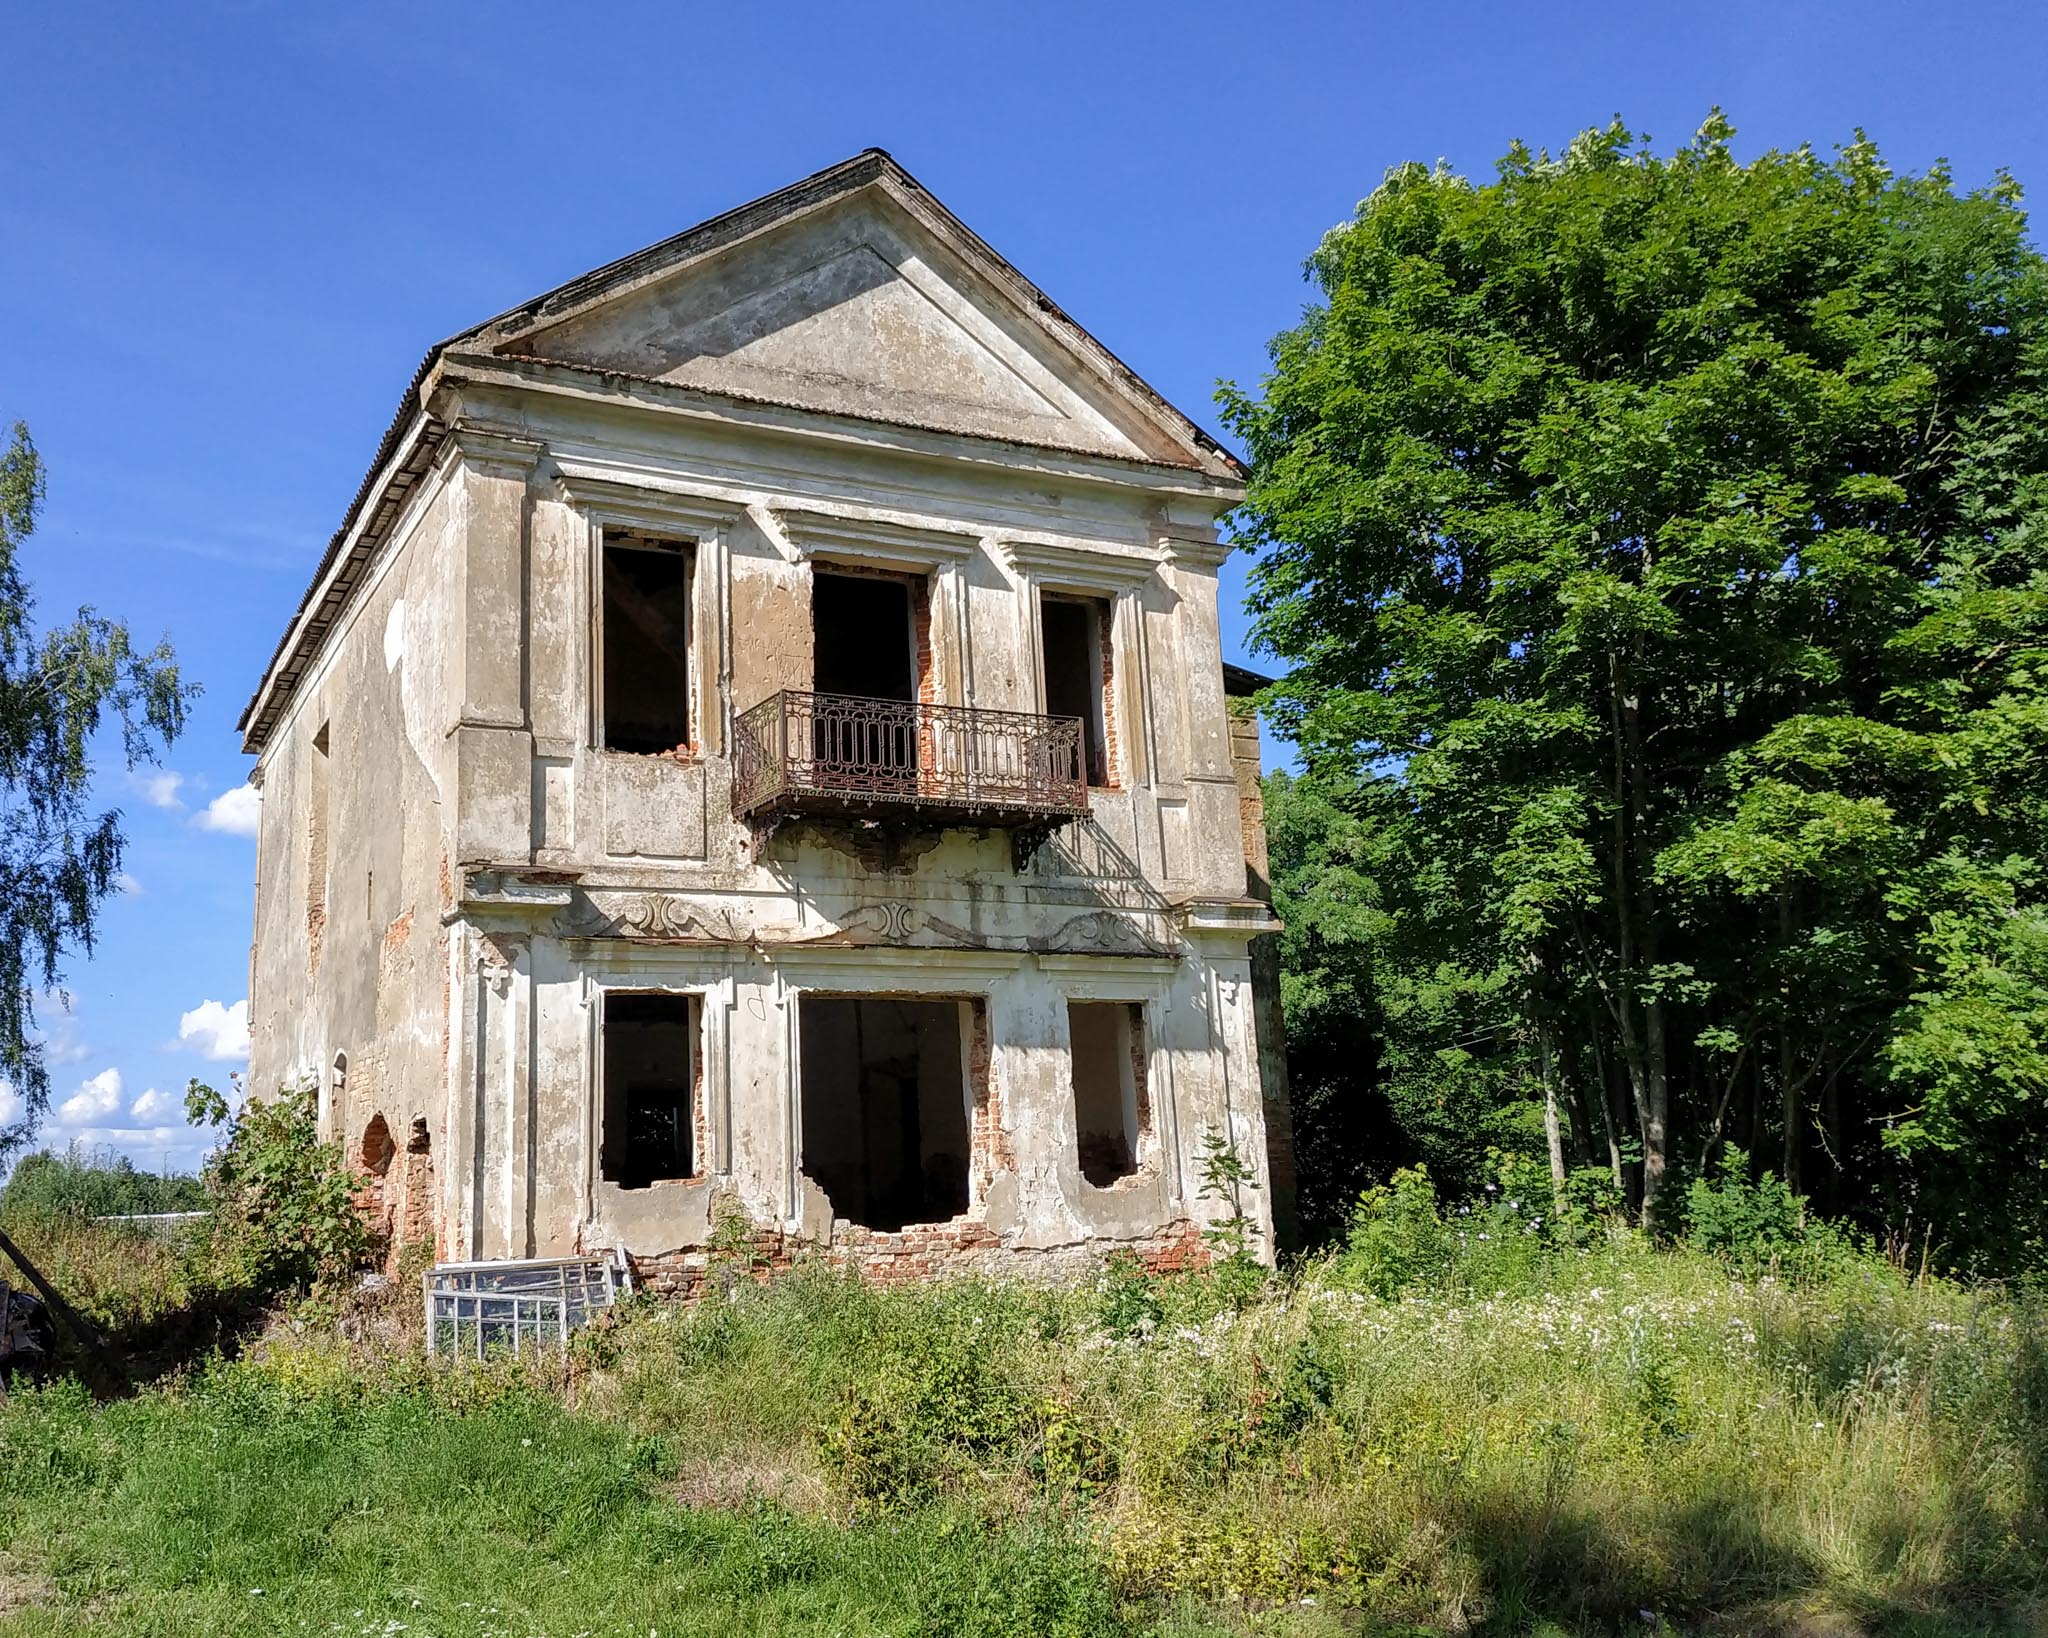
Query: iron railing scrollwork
798,751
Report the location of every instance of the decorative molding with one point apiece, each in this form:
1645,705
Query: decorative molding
663,917
1081,568
1100,932
629,504
490,452
873,540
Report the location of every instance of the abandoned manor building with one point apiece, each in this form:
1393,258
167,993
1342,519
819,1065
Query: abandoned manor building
758,751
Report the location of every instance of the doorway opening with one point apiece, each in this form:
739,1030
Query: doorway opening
864,642
864,645
888,1106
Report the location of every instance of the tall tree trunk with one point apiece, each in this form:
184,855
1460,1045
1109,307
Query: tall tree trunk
1625,729
1610,1112
1553,1134
1831,1113
1640,955
1788,1083
1572,1095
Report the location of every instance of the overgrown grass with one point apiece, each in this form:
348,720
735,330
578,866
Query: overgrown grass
1860,1452
1651,1435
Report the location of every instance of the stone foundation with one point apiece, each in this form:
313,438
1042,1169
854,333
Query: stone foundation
921,1252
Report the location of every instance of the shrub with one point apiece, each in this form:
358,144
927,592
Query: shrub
936,1405
284,1211
1756,1224
1398,1241
1129,1297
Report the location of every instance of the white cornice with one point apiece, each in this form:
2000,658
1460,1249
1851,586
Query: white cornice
698,403
911,970
490,451
1109,977
876,541
1203,552
1083,567
641,505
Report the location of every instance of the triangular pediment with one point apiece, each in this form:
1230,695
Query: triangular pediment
861,302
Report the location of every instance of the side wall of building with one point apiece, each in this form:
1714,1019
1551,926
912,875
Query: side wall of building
349,967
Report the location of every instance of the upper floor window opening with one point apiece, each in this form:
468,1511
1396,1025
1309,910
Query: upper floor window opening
645,641
1075,651
864,636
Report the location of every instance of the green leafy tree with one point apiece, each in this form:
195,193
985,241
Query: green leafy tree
58,858
1658,544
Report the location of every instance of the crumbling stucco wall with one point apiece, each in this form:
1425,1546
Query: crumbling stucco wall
348,972
486,870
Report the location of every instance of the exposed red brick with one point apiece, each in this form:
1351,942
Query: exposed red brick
920,1252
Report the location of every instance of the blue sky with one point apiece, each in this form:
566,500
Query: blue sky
228,232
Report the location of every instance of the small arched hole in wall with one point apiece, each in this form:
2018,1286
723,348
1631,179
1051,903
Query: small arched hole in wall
332,1091
377,1147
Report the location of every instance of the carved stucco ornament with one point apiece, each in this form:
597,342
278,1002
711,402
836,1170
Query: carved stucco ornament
646,915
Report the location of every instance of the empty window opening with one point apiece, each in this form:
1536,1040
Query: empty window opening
864,641
1112,1112
648,1131
646,644
1074,633
887,1107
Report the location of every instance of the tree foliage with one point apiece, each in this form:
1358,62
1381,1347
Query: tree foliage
58,858
1659,545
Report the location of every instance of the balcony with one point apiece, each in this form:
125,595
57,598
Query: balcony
799,754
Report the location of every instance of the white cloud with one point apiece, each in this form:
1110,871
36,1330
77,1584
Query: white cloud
219,1032
95,1100
126,885
233,811
153,1106
160,788
10,1105
57,1029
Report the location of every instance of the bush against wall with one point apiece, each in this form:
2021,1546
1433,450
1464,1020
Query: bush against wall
284,1208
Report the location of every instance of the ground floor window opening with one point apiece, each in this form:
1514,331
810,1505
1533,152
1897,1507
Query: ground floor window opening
888,1106
1112,1112
648,1126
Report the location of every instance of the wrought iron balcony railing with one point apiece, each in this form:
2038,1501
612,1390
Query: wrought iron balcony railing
803,753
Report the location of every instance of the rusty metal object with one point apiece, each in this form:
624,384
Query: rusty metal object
823,754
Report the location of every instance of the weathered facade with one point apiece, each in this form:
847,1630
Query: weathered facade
759,745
